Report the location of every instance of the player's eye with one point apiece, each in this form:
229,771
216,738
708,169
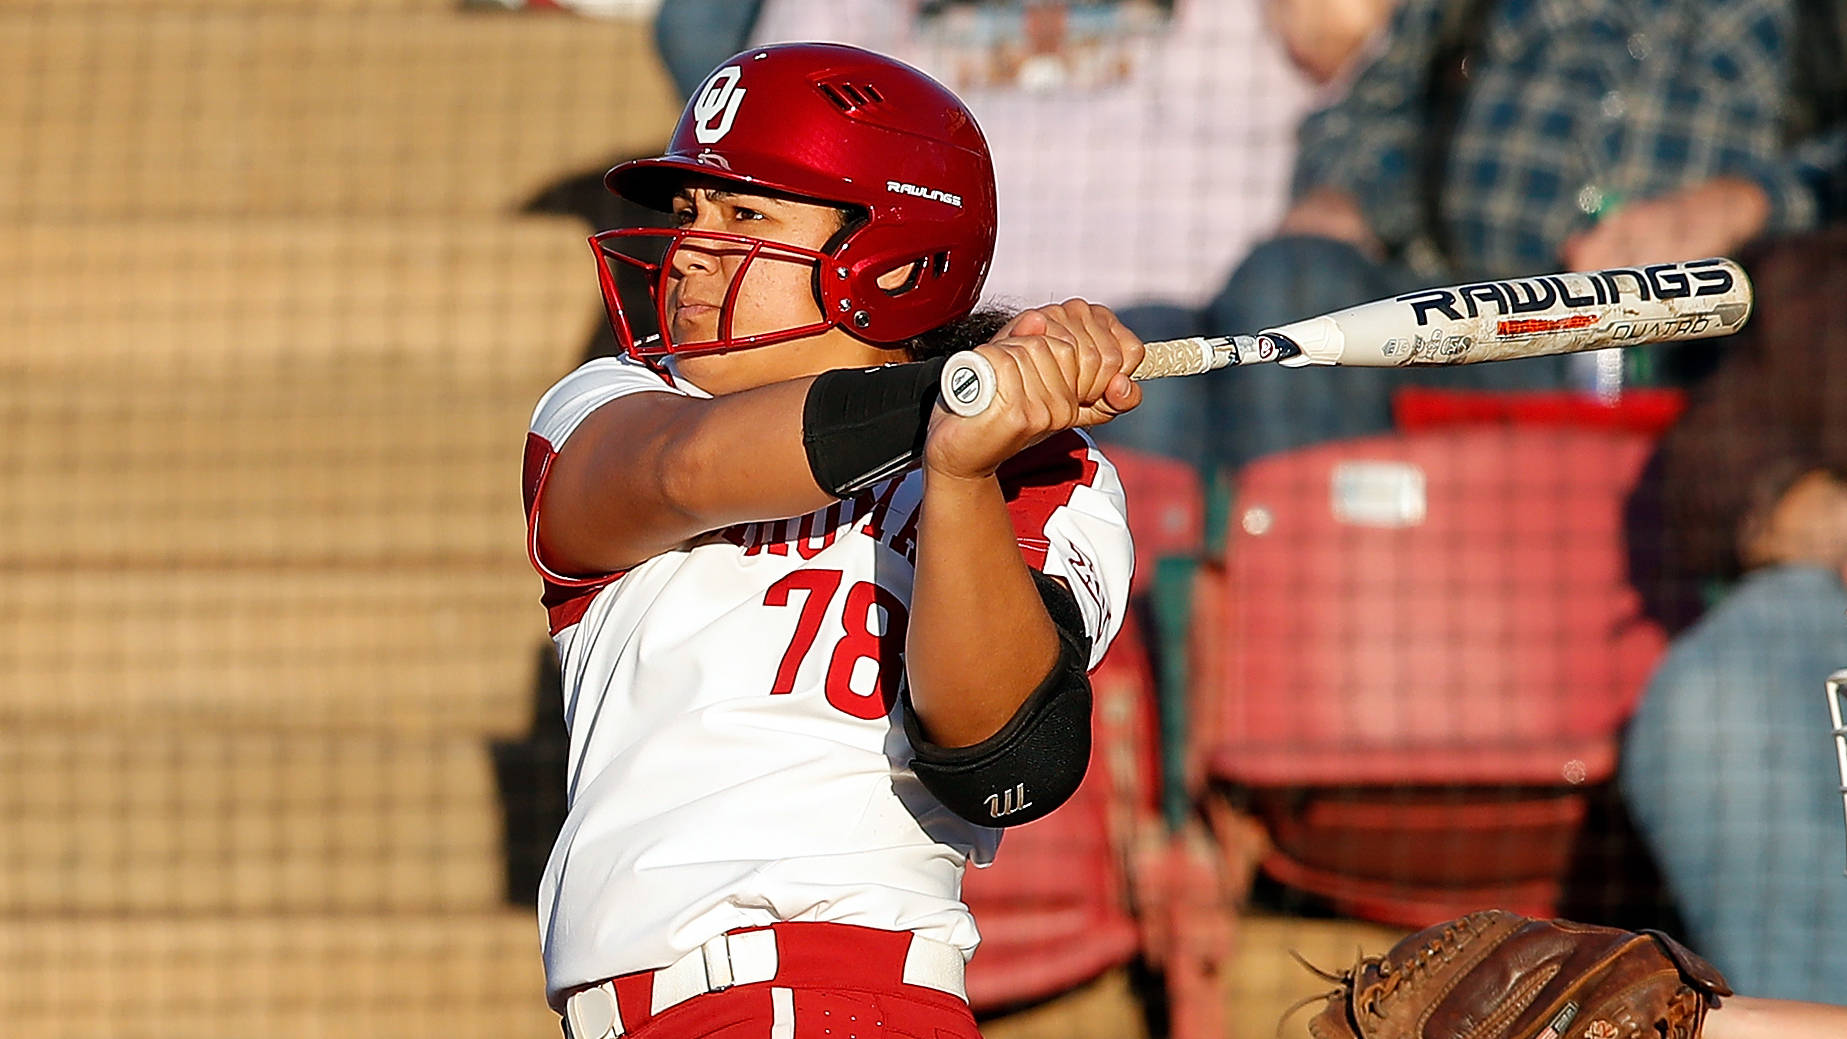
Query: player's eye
682,215
745,214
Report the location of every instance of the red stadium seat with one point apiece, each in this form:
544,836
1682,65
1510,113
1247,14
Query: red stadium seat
1645,409
1167,511
1417,657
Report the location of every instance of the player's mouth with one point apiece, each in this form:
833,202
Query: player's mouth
694,321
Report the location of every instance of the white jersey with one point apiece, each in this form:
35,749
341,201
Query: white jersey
736,755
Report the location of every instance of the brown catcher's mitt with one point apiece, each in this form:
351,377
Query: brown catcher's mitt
1499,975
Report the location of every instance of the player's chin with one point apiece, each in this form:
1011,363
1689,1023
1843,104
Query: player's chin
694,328
703,369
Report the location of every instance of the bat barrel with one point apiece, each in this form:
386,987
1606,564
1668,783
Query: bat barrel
1534,317
1460,324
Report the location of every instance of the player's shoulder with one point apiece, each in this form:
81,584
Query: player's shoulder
1066,455
1059,464
608,372
591,385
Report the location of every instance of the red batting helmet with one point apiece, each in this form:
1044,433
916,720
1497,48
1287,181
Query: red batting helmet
834,124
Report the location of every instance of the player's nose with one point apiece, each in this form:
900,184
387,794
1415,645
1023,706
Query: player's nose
693,254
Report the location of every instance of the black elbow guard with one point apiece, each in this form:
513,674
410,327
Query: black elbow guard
1036,761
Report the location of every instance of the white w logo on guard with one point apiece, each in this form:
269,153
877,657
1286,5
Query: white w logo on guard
1007,802
717,105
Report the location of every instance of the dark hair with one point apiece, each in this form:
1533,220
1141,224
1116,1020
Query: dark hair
964,333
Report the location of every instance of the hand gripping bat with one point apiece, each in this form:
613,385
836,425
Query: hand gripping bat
1461,324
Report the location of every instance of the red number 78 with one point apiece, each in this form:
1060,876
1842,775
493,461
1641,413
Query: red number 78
860,642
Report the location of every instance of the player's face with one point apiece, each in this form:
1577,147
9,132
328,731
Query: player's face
774,294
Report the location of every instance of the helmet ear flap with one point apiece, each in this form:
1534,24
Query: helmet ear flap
856,291
892,297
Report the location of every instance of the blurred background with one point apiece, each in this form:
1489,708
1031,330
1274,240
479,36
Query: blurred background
280,741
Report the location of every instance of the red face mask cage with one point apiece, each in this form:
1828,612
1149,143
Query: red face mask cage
619,246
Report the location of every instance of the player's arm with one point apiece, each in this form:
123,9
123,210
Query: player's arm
647,471
995,654
980,639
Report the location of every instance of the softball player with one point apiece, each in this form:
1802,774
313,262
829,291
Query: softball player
820,639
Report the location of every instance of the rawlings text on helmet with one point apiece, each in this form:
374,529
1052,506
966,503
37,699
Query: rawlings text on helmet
922,192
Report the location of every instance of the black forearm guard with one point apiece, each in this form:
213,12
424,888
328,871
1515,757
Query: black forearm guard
1036,761
863,425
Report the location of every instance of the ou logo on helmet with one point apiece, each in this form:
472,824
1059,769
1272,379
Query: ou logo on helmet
717,105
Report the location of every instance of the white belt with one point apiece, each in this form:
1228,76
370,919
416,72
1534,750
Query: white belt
740,959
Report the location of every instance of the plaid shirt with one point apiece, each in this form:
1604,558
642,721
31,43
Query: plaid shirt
1571,107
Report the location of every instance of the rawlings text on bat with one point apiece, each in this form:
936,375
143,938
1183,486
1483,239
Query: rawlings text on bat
1460,324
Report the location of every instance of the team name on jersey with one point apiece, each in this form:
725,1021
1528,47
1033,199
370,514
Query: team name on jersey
870,512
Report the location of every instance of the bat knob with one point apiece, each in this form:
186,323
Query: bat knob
968,384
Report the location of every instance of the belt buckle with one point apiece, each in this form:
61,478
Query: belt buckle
716,952
715,965
593,1014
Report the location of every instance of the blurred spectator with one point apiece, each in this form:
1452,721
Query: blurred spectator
1323,37
693,36
1728,767
1503,137
1141,147
1762,445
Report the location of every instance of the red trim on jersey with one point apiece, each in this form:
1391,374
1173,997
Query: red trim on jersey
565,598
561,615
655,366
1040,480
